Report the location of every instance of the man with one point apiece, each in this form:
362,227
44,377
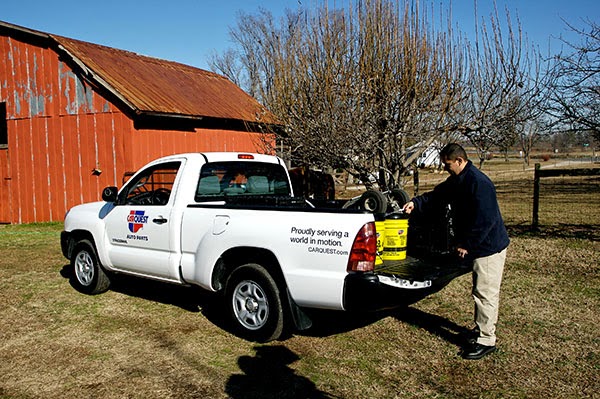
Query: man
481,237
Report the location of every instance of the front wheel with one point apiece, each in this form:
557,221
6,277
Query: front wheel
88,276
254,303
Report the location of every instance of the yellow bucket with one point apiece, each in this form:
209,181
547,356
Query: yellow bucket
396,235
380,231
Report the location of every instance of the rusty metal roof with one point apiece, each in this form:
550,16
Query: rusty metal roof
152,86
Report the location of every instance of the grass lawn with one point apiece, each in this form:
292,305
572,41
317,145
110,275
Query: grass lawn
143,339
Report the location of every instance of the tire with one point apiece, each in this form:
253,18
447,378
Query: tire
254,303
351,204
87,276
373,201
398,198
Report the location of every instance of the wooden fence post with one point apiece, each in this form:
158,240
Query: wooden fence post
536,197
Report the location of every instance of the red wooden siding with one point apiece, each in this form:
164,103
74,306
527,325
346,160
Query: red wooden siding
60,129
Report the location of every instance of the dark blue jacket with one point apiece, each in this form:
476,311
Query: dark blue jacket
479,227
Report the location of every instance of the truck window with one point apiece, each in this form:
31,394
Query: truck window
220,179
152,186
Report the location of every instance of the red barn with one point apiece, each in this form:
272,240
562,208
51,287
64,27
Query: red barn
75,116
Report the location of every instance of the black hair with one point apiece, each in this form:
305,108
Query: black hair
452,151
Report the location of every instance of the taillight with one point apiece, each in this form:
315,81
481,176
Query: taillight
364,250
245,156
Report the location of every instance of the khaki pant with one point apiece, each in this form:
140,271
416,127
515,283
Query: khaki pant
487,277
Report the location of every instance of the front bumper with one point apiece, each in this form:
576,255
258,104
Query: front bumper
400,283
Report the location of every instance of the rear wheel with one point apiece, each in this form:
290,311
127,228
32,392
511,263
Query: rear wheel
373,201
254,303
398,198
88,276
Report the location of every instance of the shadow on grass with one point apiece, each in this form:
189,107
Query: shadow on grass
331,323
195,299
434,324
265,375
189,298
572,231
324,322
268,375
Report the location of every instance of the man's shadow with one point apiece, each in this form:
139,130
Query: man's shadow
267,375
434,324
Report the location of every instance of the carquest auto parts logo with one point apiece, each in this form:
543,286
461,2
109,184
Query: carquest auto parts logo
136,220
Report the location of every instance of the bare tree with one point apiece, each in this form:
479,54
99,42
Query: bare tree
506,86
354,87
576,91
530,133
228,65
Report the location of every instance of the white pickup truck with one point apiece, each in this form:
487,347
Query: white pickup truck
228,222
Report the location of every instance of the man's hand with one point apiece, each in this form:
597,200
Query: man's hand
408,207
462,252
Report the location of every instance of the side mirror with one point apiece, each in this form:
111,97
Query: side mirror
110,194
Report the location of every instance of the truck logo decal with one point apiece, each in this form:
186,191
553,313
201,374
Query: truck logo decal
136,220
321,241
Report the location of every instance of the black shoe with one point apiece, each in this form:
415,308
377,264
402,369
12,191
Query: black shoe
470,336
477,351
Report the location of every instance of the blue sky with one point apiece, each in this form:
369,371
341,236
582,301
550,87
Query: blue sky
188,31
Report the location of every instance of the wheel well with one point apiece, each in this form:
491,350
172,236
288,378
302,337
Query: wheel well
74,237
235,257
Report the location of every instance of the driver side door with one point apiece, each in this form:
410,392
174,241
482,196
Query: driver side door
139,227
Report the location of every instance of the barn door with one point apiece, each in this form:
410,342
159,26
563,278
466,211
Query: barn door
4,187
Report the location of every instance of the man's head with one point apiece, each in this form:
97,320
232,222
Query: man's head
454,158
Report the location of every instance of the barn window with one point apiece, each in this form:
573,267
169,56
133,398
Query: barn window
3,127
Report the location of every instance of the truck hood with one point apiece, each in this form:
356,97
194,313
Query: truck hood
90,211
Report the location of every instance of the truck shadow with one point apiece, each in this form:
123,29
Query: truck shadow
196,300
268,375
327,323
189,298
324,322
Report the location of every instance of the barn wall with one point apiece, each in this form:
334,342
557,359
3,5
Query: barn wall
60,130
150,144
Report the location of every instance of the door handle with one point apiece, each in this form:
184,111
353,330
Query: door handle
159,220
